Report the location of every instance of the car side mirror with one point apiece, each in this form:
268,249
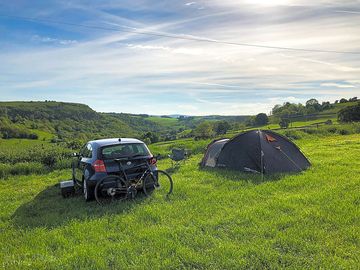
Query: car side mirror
158,156
76,155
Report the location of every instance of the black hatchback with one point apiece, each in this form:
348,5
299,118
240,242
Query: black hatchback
97,160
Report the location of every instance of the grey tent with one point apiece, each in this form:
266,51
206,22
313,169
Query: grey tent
261,151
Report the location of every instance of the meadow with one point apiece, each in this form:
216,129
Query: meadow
214,220
24,156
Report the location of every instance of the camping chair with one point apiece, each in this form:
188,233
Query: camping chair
177,155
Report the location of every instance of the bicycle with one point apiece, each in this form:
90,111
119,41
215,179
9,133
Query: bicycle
120,187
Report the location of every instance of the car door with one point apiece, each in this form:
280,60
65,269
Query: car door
80,163
85,161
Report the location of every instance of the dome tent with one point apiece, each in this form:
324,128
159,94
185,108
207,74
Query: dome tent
258,151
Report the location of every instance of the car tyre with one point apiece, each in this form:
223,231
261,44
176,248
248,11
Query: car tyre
87,191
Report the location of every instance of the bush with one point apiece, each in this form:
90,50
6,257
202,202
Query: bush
293,134
328,122
33,136
62,164
221,127
284,123
74,144
204,131
332,130
13,131
310,131
49,160
343,131
350,114
261,119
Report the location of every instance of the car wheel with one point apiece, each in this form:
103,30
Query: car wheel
88,191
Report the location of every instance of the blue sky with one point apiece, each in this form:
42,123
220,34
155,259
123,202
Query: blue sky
115,71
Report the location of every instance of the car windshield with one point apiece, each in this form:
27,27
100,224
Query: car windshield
124,150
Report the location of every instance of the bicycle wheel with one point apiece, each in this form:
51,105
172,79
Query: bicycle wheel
111,188
159,182
149,184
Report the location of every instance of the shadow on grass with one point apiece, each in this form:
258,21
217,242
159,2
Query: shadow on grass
49,209
172,169
231,175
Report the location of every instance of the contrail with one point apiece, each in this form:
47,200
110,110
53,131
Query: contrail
348,11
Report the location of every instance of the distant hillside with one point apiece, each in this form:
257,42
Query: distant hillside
68,120
61,120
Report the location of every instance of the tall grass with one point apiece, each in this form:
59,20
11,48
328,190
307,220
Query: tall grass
25,157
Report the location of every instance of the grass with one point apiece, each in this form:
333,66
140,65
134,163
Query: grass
214,220
164,121
24,156
43,135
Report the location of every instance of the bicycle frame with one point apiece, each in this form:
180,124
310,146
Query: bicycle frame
138,180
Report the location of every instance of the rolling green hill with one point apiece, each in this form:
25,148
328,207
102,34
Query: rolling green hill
70,120
60,120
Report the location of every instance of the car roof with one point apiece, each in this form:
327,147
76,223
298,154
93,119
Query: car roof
112,141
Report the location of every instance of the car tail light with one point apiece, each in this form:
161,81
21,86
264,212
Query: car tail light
152,161
99,166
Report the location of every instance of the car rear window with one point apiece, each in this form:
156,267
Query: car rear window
124,150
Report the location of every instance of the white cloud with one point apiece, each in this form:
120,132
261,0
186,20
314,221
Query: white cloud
338,85
178,76
348,11
54,40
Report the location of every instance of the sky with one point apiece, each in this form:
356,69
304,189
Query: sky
109,66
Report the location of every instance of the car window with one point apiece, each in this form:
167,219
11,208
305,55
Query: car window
86,151
124,150
89,151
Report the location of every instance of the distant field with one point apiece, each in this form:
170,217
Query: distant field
164,121
214,220
301,123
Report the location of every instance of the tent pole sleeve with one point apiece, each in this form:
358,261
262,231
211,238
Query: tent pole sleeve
261,156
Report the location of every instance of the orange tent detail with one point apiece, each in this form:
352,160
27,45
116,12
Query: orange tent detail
269,138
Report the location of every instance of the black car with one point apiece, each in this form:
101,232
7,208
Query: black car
97,159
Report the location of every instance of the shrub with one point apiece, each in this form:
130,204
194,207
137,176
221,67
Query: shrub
49,160
284,123
350,114
328,122
343,131
310,131
62,164
261,119
74,144
332,130
204,130
293,134
221,127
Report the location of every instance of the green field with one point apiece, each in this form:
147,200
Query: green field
214,220
164,121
